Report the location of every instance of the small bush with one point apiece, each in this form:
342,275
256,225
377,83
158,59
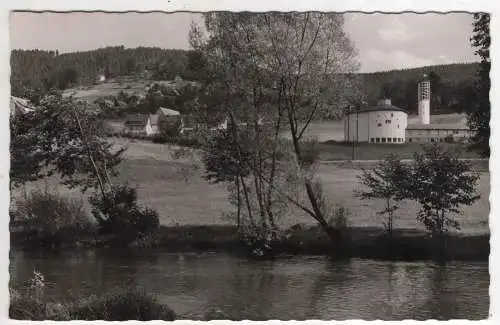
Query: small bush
449,139
47,214
158,139
135,305
121,215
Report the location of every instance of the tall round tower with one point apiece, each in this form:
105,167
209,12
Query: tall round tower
424,100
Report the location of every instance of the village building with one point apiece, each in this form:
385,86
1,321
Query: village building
150,125
385,123
438,132
382,123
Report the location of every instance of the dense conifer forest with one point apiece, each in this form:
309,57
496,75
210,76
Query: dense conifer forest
37,70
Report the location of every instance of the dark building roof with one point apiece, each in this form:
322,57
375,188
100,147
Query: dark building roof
382,105
136,120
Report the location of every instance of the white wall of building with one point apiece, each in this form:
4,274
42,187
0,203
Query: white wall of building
424,114
424,101
384,126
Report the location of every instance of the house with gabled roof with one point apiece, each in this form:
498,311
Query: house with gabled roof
138,125
149,124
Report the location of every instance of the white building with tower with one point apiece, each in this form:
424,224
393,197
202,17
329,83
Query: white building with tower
424,100
385,123
424,130
382,123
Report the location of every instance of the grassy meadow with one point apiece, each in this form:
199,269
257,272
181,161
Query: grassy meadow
169,179
110,88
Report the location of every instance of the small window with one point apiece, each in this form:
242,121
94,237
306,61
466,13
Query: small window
394,140
383,140
379,124
432,139
392,114
387,121
377,140
389,139
409,140
398,126
372,139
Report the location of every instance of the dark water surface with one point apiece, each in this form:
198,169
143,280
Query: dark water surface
295,288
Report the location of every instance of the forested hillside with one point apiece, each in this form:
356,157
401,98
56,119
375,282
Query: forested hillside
450,86
43,70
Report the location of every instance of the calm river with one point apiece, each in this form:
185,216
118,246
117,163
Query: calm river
295,288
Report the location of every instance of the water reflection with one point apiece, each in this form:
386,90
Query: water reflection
295,288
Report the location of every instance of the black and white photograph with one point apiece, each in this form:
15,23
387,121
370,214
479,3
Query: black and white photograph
224,165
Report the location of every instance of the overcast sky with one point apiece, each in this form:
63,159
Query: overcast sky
384,41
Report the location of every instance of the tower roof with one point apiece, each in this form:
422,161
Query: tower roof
425,77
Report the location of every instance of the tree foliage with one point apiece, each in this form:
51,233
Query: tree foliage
441,183
479,107
65,138
120,214
275,68
387,182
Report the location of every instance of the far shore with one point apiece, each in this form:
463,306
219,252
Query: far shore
353,242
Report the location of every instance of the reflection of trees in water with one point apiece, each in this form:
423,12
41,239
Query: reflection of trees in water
335,276
438,304
253,292
267,290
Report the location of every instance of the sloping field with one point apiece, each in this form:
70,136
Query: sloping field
169,179
111,88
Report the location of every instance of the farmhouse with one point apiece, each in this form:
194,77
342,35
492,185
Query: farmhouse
149,125
138,125
382,123
385,123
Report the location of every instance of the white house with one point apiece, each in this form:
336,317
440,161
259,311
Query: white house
382,123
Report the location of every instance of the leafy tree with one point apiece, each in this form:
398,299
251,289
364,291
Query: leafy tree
440,182
276,67
385,182
131,65
67,78
65,138
478,102
170,128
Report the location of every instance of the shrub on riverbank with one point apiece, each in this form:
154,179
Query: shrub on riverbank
134,305
31,304
122,217
51,219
